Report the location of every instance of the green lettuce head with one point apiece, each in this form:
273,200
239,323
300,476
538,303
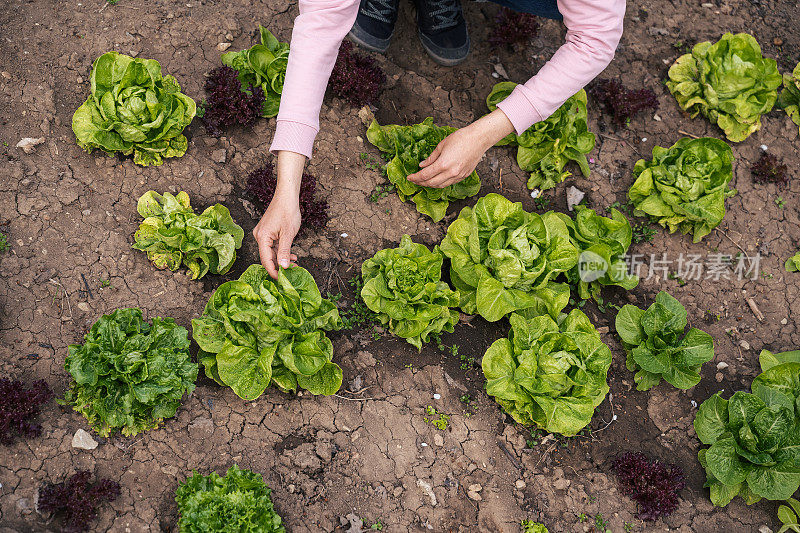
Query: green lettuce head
790,95
263,65
684,187
403,285
547,146
129,374
602,243
255,332
240,501
729,82
504,259
408,145
132,109
172,234
657,347
793,263
549,374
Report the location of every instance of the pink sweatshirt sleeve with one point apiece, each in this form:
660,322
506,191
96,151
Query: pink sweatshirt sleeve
318,32
594,28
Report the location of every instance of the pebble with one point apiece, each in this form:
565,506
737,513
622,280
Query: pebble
561,484
438,440
223,46
777,41
6,75
475,487
744,344
83,306
656,117
218,156
722,365
428,490
170,470
520,484
785,321
437,396
27,144
719,377
82,440
474,496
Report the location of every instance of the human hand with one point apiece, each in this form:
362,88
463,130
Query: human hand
280,223
459,153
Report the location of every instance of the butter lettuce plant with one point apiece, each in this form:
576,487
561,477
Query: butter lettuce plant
793,263
238,502
173,234
129,374
657,347
789,99
255,332
548,373
729,82
407,146
602,243
504,259
684,187
547,146
133,109
403,286
263,65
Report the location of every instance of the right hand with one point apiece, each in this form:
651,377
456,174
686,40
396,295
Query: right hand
275,232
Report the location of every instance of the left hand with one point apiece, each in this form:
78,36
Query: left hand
459,153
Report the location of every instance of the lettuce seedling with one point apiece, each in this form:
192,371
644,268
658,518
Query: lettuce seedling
19,406
789,515
228,103
77,500
547,146
789,100
172,234
729,82
549,373
403,285
657,347
262,182
603,243
511,27
793,263
407,146
129,374
769,169
684,187
255,332
504,259
239,501
653,485
133,109
263,65
356,77
620,102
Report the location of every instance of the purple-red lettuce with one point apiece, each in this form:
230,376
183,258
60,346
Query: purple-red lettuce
19,406
77,500
620,102
356,77
653,485
512,27
227,103
262,182
769,169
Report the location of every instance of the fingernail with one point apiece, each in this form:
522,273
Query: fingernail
284,263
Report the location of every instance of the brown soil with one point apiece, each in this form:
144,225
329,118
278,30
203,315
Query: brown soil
70,216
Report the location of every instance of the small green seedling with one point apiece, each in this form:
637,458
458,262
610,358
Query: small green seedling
439,423
4,246
789,515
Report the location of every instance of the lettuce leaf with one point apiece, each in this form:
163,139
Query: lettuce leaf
789,99
729,82
172,234
129,374
255,332
132,109
403,285
408,145
240,501
793,263
551,374
657,347
547,146
684,187
504,259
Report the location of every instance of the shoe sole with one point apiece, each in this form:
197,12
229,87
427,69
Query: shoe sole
370,42
442,60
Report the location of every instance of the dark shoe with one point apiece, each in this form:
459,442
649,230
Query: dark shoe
443,31
374,24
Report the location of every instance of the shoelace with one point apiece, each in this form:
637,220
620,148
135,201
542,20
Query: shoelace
379,10
444,12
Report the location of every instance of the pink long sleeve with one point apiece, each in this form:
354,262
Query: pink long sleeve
594,28
318,32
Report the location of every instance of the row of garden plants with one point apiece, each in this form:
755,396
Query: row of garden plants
551,372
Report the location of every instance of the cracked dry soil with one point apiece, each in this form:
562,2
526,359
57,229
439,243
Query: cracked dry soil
70,218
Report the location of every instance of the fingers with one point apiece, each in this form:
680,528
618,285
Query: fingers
433,157
285,250
267,253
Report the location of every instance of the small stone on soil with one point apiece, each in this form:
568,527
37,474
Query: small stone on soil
438,440
218,156
474,496
475,487
83,441
719,377
722,365
520,484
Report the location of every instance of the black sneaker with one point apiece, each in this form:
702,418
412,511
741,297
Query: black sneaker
443,31
374,24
